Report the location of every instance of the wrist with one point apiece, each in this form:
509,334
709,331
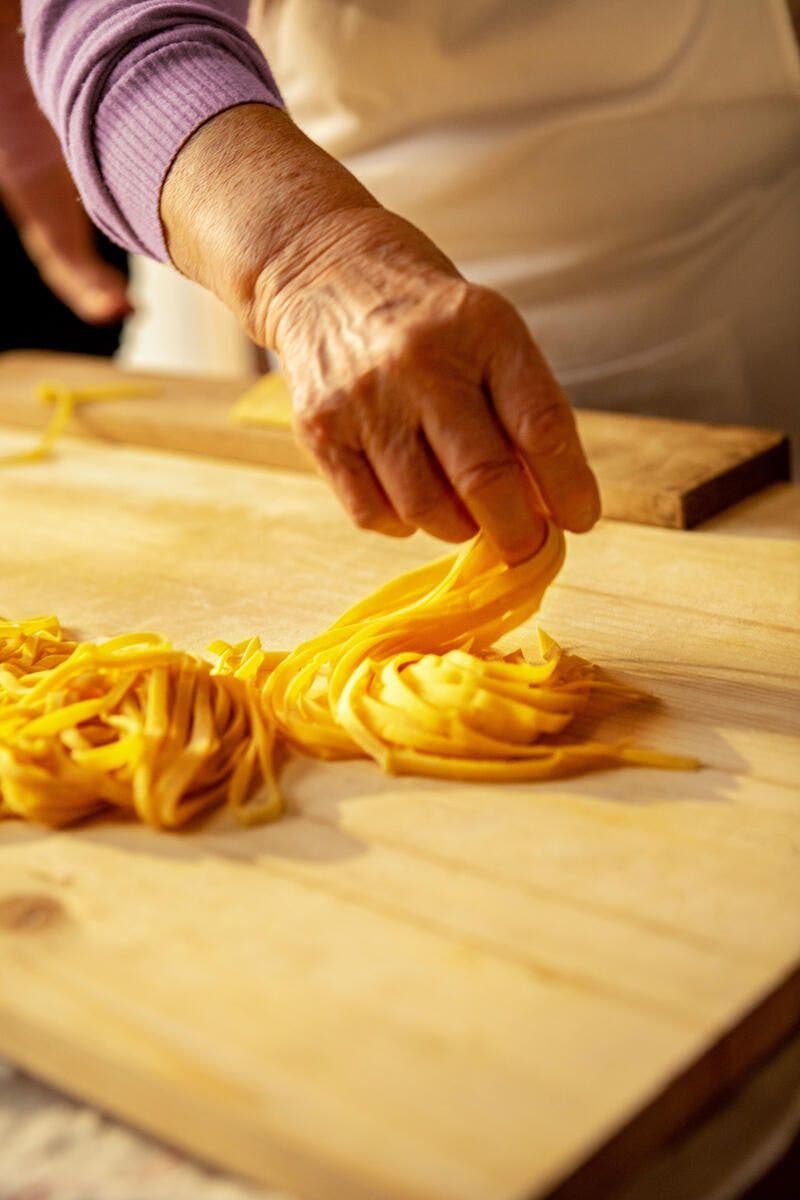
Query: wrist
248,203
360,261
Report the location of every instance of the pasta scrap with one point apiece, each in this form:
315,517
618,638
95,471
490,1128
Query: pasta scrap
267,402
64,401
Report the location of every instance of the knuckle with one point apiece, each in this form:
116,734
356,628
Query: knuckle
419,508
547,429
387,433
486,309
412,346
317,425
474,477
367,516
453,305
486,299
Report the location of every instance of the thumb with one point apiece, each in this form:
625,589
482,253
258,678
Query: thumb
77,274
58,238
94,290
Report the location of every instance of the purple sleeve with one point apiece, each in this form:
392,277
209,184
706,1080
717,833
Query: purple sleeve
125,83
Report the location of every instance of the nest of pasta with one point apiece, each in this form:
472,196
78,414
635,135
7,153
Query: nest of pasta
130,724
409,677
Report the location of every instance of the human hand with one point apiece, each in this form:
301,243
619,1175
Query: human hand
40,197
423,398
58,238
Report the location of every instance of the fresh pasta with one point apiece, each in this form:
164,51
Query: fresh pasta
130,724
409,677
64,400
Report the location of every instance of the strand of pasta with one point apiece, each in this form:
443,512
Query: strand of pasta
131,724
408,677
64,401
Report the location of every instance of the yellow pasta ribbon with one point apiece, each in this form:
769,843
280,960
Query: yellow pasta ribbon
130,724
408,677
64,401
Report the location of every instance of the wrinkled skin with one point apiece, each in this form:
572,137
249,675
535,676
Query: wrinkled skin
423,398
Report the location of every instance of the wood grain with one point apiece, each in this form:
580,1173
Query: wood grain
650,470
678,473
772,512
410,988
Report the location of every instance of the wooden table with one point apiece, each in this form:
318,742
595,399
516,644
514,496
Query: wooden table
408,988
649,470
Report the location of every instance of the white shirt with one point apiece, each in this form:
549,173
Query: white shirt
627,172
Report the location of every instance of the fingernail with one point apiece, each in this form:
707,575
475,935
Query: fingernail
101,305
584,518
530,544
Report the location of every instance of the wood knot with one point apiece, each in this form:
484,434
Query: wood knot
29,911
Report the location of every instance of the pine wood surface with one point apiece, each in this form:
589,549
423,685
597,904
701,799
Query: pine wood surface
650,470
411,988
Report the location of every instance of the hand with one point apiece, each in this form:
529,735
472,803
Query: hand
58,238
41,198
423,398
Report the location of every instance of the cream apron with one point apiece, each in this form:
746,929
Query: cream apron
627,173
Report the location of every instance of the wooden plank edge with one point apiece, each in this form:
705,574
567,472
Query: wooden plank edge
627,502
262,447
692,1095
134,1096
771,465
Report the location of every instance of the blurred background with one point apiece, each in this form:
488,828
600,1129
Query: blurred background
176,326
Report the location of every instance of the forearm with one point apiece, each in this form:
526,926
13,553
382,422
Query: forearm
410,386
245,208
422,397
127,84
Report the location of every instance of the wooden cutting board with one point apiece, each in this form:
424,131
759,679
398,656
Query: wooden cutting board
650,470
411,989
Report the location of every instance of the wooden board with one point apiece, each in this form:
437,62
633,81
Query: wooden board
654,471
772,512
409,988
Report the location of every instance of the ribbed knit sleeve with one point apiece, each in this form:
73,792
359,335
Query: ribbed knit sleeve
126,82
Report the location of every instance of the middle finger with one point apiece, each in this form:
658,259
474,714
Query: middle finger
485,472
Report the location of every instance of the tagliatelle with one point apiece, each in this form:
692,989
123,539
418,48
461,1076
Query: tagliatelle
435,709
64,401
407,677
130,724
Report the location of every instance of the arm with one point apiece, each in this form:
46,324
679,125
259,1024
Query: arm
28,145
125,82
423,398
40,197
